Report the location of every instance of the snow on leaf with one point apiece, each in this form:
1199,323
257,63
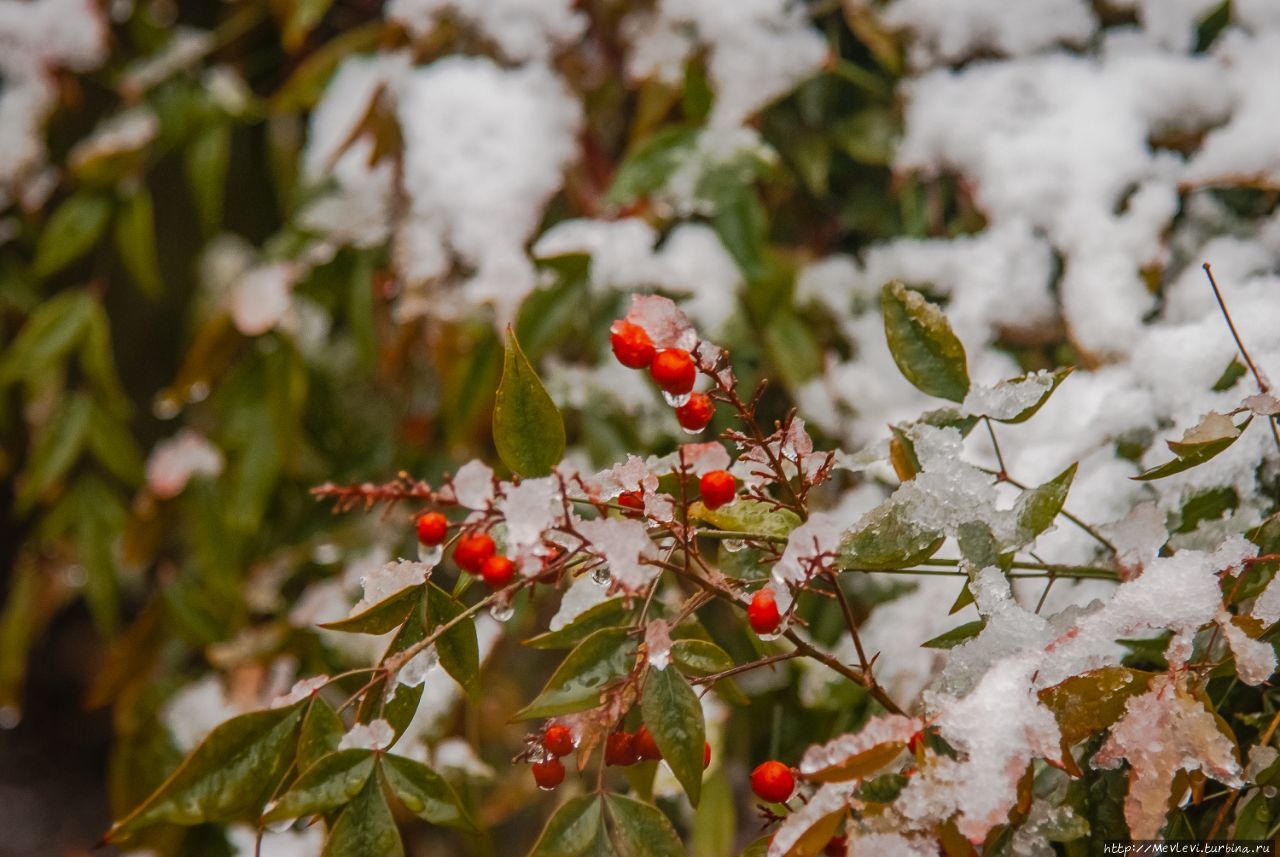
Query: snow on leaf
261,297
584,594
701,458
473,485
1255,659
529,510
1164,731
1008,400
1212,426
815,822
388,580
657,643
623,544
174,461
666,323
377,735
858,754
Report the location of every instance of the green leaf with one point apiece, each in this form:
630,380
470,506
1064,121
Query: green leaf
304,86
206,159
1192,453
135,236
303,18
571,830
643,829
889,539
700,657
425,793
322,731
742,225
113,445
606,614
329,783
793,348
57,447
98,362
648,165
1038,508
399,710
604,657
365,828
715,823
71,231
458,648
673,714
527,428
228,776
922,344
1056,378
382,617
49,335
956,636
745,515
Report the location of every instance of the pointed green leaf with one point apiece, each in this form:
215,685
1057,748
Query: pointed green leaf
56,449
387,614
888,539
606,614
206,160
1192,453
322,730
304,17
673,714
956,636
642,829
329,783
745,515
228,776
135,236
71,231
49,335
399,710
425,793
700,657
571,830
922,344
113,446
649,164
1038,508
604,657
527,427
365,828
458,648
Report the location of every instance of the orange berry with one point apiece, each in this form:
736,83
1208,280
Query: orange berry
548,774
631,345
762,612
706,755
620,749
674,371
718,487
497,571
432,528
472,550
558,740
696,413
646,748
773,782
633,500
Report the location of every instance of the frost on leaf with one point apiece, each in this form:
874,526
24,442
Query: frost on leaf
389,579
700,458
1263,404
302,689
584,594
377,735
1164,731
892,845
1266,608
806,547
529,509
634,474
174,461
657,643
1008,399
1255,659
623,545
1212,426
858,754
261,297
473,485
666,323
824,809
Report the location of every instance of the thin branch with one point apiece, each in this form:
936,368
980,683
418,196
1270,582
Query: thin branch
1263,386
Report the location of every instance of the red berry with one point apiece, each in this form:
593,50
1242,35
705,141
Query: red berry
718,487
497,571
838,846
674,371
558,740
915,742
696,413
548,774
646,748
432,528
773,782
633,500
631,345
706,755
620,749
762,612
471,551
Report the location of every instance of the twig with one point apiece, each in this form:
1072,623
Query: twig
1263,386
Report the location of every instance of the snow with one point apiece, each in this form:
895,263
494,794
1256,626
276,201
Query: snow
473,485
946,31
624,545
175,461
529,509
657,643
581,596
887,729
826,800
391,578
522,29
377,735
260,299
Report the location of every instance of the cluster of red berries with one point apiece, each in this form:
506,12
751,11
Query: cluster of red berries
558,742
474,552
623,748
672,369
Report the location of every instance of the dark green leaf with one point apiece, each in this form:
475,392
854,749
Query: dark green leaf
1194,453
322,730
715,823
304,17
1038,508
606,614
527,427
649,164
57,447
956,636
49,335
604,657
135,236
206,159
365,828
642,829
1056,378
742,225
673,714
888,539
329,783
425,793
382,617
228,776
458,648
72,230
700,657
794,349
114,447
572,830
1089,703
922,344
